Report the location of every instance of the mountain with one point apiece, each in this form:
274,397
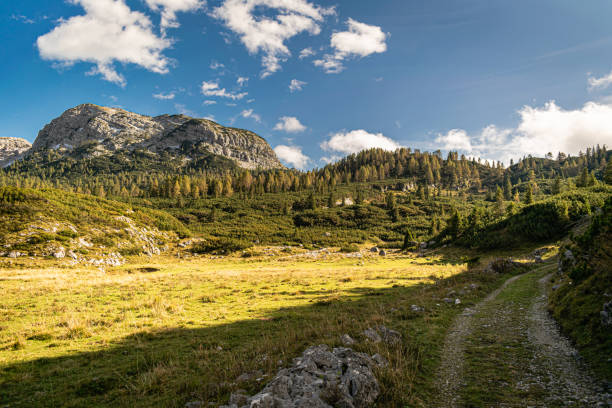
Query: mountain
11,148
90,131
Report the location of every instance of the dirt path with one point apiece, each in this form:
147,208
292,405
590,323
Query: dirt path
508,352
451,369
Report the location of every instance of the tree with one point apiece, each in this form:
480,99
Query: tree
583,180
608,173
507,188
556,188
529,194
390,201
312,202
408,240
455,225
330,201
499,201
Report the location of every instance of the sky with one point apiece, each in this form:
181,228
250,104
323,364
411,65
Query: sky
321,79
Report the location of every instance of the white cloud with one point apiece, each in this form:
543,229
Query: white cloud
289,124
360,40
216,65
541,130
267,34
292,155
169,8
212,89
164,96
248,113
209,102
241,81
307,52
600,83
109,31
296,85
182,109
358,140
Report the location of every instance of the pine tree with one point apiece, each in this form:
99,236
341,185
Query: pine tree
408,240
499,201
507,188
529,194
390,201
556,188
608,173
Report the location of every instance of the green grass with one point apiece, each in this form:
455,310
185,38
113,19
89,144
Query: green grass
165,332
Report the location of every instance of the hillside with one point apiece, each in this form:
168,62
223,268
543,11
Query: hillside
57,224
110,139
582,301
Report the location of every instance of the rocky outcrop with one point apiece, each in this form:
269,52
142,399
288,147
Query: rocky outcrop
320,378
11,149
106,131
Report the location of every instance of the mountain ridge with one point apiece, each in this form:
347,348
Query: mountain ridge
98,131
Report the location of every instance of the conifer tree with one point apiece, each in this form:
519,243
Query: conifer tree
529,194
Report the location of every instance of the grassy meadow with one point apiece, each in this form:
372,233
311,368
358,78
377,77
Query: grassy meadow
165,331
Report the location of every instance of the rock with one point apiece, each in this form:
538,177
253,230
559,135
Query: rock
473,286
320,378
12,149
391,337
382,252
606,315
14,254
555,287
423,246
374,250
72,255
380,360
448,300
372,335
503,265
347,340
566,261
103,131
195,404
457,301
60,253
416,309
328,234
538,259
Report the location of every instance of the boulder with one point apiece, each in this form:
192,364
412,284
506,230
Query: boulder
503,265
60,253
320,378
382,252
391,337
374,250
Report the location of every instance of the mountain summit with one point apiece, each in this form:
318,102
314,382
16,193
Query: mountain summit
11,149
94,131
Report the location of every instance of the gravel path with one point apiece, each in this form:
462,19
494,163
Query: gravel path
451,370
517,357
558,364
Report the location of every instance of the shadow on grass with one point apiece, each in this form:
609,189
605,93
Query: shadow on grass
170,367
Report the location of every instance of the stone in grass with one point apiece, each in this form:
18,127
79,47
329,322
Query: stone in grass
417,309
391,337
347,340
372,335
320,378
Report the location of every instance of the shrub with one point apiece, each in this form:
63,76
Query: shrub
220,246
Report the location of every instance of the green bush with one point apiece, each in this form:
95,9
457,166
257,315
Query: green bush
220,246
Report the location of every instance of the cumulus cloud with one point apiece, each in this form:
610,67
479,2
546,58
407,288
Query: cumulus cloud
108,32
212,89
358,140
292,155
360,40
306,52
541,130
248,113
164,96
210,102
600,83
267,34
169,8
296,85
289,124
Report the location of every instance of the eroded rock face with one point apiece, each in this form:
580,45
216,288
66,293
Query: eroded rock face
110,130
11,149
321,378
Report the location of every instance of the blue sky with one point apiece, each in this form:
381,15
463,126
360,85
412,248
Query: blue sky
494,79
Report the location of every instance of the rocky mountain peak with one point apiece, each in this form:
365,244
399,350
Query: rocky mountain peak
113,130
11,149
